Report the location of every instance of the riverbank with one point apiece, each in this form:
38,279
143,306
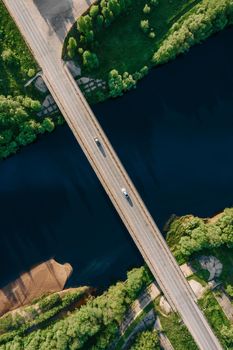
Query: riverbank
188,235
94,325
117,44
206,244
47,277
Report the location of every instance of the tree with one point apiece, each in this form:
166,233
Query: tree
71,47
90,60
25,137
99,22
229,290
108,15
89,36
31,72
94,11
136,280
227,334
8,57
146,9
115,7
151,35
12,112
128,81
154,2
48,125
144,25
84,24
115,83
146,341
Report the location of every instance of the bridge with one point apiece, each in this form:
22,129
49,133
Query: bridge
43,42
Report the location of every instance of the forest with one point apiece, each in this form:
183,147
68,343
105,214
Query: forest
19,124
93,325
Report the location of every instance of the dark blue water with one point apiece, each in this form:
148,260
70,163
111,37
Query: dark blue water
174,136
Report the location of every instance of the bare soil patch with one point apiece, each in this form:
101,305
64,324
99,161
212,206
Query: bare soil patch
47,277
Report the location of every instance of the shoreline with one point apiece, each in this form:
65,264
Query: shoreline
47,277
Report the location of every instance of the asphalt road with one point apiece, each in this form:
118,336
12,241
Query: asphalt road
111,174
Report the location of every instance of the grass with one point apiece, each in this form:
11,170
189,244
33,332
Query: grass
123,46
177,332
214,314
13,77
201,275
225,255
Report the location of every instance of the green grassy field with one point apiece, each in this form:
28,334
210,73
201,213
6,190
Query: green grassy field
123,46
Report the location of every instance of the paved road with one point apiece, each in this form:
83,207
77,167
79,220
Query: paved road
111,173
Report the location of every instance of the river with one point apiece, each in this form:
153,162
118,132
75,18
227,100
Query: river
174,136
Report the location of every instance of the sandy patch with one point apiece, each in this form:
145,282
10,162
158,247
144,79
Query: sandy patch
48,277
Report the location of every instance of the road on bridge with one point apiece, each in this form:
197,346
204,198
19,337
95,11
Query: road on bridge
110,171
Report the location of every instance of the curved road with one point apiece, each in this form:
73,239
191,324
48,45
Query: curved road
110,172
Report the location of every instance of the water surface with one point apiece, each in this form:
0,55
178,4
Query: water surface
174,136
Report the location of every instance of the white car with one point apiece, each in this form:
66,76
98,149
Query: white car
125,193
97,141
